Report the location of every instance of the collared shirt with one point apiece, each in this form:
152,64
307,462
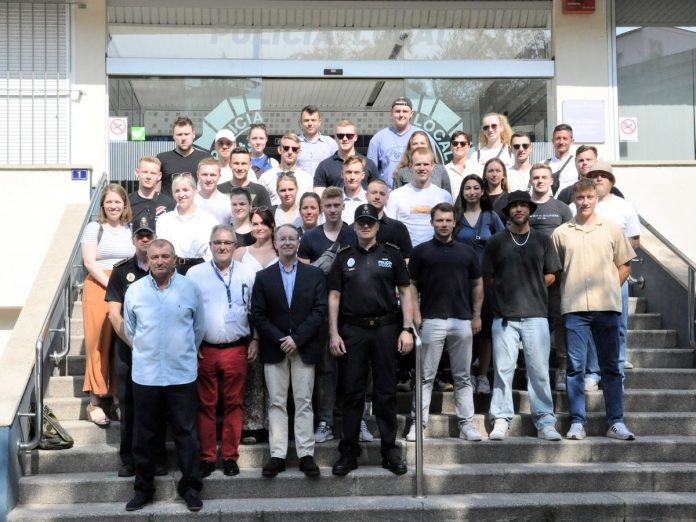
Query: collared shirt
165,328
350,204
456,176
329,173
314,152
590,255
269,181
226,319
190,235
288,278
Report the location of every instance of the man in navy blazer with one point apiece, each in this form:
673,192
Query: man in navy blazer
288,305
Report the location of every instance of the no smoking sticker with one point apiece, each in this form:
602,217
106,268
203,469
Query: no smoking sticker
628,128
118,129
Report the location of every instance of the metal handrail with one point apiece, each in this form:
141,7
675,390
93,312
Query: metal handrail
46,332
418,347
691,270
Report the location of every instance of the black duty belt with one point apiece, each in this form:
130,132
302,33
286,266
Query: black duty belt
189,260
372,322
242,341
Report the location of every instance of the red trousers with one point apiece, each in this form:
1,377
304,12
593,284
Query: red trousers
231,365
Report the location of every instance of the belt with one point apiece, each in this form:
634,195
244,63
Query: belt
242,341
189,260
372,322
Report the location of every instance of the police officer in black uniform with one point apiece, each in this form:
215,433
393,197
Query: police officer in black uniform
123,275
367,327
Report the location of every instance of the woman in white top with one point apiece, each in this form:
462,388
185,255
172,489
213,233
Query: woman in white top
288,212
494,140
459,167
258,256
105,242
187,226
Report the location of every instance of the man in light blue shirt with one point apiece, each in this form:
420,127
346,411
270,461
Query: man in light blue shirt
163,314
315,146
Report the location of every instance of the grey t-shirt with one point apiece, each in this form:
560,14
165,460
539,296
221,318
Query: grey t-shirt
550,215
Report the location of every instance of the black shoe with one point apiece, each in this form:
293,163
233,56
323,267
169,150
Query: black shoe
273,467
344,465
206,468
308,466
160,470
139,501
193,502
230,468
127,470
395,465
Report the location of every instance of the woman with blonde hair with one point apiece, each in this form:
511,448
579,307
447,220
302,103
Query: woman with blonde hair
288,212
105,242
402,173
494,140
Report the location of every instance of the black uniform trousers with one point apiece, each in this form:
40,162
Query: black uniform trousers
124,383
155,406
365,347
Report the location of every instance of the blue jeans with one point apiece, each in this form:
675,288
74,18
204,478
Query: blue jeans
604,327
534,334
456,336
592,365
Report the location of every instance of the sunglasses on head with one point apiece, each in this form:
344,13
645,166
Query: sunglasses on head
517,146
287,148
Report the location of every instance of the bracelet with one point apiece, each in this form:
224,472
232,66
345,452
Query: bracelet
255,339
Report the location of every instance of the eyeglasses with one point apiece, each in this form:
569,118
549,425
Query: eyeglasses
459,143
342,136
492,126
259,209
286,148
218,242
517,146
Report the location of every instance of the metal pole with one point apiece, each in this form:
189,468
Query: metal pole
690,306
419,417
38,390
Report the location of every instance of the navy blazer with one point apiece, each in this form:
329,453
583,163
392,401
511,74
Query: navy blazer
273,319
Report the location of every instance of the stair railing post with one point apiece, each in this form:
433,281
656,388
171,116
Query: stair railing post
418,347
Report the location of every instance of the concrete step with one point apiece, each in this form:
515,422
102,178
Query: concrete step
615,506
651,338
374,480
644,321
77,343
103,457
637,305
661,357
661,378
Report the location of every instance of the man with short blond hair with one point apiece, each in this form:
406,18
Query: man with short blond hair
289,150
147,201
353,193
208,197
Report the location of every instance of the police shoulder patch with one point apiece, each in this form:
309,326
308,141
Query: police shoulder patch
121,263
392,245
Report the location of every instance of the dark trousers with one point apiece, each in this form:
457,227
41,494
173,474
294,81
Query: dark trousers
367,347
155,406
125,401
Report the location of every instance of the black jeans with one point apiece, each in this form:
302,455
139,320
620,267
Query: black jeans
155,406
365,347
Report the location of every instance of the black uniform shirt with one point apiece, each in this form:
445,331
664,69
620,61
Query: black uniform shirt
151,208
367,279
396,233
123,275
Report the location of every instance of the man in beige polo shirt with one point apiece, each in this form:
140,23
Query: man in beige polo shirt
596,257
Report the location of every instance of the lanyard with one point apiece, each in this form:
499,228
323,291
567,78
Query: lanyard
228,284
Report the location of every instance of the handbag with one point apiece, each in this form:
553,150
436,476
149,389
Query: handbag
54,436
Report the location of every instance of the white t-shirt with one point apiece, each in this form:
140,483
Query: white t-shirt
503,153
305,183
456,177
517,179
190,235
569,174
114,246
218,205
412,207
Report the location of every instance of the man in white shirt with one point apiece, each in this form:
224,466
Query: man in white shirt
209,198
562,161
518,174
412,203
289,150
353,193
315,146
225,143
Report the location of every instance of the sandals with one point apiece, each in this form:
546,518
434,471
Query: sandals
97,416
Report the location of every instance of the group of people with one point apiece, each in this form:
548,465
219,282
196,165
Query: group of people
240,278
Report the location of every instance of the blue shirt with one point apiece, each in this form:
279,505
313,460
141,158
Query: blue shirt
488,223
288,280
314,152
165,328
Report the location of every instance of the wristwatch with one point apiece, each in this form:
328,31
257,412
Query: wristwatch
408,329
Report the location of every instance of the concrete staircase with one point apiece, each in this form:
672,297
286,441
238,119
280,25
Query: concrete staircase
521,478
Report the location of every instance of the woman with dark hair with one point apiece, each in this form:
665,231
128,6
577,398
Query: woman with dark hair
495,185
460,144
258,256
240,201
105,242
310,211
402,174
476,223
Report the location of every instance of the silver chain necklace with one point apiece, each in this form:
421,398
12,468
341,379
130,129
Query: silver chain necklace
515,241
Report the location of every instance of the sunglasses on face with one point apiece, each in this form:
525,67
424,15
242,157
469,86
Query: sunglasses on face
459,143
345,136
287,148
492,126
517,146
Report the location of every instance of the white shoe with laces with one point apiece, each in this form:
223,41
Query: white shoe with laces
500,429
576,431
365,435
324,433
482,385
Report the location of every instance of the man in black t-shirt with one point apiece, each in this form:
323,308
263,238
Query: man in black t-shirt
183,158
146,201
520,264
447,279
390,230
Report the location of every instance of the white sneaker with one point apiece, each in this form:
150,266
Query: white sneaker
365,435
500,428
560,380
576,431
620,431
324,432
468,432
482,385
549,433
411,435
591,384
628,365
